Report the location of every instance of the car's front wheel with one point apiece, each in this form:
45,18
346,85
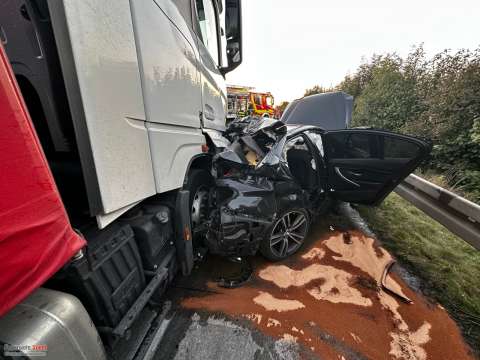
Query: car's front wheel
286,235
198,183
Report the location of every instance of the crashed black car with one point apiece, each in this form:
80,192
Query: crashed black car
270,179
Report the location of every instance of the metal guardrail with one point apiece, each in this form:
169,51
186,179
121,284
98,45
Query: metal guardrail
459,215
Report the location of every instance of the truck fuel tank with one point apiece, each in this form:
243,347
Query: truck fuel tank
53,324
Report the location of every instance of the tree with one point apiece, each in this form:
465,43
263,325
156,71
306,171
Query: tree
279,109
388,100
435,98
317,90
282,106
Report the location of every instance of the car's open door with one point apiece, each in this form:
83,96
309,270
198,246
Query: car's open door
364,165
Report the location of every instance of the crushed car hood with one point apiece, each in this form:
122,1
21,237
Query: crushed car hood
330,111
255,149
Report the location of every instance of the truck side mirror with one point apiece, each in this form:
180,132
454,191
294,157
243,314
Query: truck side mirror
233,27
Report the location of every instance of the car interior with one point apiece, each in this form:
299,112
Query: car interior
301,163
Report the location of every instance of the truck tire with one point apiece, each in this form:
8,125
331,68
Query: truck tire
199,182
286,235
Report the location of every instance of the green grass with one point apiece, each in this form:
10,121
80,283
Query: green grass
448,266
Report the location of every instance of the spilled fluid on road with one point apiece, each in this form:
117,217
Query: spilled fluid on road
328,301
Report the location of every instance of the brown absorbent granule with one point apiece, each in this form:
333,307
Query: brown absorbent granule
271,303
317,301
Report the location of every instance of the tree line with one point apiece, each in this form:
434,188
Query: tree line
435,97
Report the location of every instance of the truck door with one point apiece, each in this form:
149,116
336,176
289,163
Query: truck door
171,83
209,38
364,166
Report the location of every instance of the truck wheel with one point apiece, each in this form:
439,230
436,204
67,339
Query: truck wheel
287,235
198,183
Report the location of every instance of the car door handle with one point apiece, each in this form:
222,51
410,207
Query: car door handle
339,173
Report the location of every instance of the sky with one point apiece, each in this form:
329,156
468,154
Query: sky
289,46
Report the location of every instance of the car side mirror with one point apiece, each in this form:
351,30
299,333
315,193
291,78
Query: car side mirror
233,32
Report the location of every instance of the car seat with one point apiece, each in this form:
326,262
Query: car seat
300,164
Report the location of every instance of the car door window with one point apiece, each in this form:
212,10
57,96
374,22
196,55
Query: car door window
395,148
352,146
364,166
207,22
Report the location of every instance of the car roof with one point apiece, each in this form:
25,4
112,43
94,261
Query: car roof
293,129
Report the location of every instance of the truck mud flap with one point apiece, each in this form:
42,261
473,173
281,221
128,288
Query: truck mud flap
183,232
157,331
133,313
141,327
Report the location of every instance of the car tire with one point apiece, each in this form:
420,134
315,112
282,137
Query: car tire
199,182
286,235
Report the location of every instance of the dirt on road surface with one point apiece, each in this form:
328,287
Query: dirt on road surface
328,303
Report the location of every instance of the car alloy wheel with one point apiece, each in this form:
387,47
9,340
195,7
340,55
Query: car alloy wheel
288,233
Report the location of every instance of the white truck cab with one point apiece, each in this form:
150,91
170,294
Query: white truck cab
143,79
124,96
123,87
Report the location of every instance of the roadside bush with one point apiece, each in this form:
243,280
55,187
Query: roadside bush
435,97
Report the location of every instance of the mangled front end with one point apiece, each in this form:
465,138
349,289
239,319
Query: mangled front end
243,209
244,201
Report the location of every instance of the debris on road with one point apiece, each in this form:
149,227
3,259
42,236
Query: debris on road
391,286
237,280
329,302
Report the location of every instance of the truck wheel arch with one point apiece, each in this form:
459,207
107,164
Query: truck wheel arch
199,161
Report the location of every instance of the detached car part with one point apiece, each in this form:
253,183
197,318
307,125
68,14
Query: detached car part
393,290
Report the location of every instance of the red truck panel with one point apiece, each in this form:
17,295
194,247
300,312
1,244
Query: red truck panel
36,238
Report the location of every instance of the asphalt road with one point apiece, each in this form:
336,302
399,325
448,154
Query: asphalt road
326,302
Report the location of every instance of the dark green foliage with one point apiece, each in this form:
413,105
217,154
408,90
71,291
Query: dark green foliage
283,105
437,97
317,90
